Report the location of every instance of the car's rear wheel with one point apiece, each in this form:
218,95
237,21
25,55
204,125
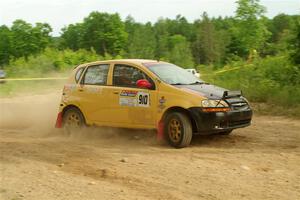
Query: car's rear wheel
178,129
73,120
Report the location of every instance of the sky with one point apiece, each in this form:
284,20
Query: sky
59,13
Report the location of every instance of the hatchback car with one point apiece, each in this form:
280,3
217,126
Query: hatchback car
149,94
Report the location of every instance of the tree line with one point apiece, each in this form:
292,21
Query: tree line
207,40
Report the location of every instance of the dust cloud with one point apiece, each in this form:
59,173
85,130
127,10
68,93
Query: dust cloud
36,112
34,115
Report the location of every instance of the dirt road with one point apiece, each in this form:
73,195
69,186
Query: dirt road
38,162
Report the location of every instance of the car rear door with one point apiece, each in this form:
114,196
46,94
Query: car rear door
92,92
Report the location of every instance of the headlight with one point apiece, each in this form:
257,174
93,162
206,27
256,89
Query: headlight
208,103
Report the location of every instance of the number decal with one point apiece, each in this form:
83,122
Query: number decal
143,99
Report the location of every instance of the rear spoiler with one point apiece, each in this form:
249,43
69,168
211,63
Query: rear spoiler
230,94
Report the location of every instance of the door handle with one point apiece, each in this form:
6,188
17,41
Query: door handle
116,92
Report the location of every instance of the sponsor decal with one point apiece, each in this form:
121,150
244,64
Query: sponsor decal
132,102
128,93
162,102
134,98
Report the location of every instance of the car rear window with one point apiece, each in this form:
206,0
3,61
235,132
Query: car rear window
78,74
96,75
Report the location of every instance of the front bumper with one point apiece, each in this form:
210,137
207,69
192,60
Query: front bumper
214,122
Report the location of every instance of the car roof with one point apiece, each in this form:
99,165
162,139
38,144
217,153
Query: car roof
129,61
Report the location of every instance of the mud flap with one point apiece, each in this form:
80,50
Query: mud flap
160,130
59,120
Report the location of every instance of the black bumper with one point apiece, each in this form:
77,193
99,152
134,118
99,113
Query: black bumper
214,122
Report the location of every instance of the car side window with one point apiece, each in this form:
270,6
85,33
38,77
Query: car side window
127,76
96,75
78,74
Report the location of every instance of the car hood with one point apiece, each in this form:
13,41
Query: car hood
206,90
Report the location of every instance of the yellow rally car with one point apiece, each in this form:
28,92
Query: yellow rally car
148,94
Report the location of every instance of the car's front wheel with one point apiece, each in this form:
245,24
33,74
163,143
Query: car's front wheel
73,120
178,129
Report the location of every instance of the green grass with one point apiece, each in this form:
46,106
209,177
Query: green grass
268,83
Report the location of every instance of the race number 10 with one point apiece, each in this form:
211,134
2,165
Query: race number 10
143,99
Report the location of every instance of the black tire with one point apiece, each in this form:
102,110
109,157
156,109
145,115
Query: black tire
178,129
225,132
73,120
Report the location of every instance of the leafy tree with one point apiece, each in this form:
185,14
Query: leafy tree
5,45
206,49
212,41
280,23
162,35
250,30
72,36
295,54
142,42
27,40
180,52
180,26
21,37
104,32
283,28
40,33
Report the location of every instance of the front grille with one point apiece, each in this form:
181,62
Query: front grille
238,104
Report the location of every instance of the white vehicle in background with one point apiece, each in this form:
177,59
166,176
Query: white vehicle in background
194,72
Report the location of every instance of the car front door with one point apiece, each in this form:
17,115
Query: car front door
129,105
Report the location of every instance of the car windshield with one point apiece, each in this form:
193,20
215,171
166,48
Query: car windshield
173,74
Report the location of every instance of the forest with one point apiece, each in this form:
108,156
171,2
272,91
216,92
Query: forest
247,51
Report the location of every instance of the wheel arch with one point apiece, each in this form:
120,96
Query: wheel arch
181,110
68,107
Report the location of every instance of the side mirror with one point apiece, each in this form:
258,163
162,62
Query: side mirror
143,83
